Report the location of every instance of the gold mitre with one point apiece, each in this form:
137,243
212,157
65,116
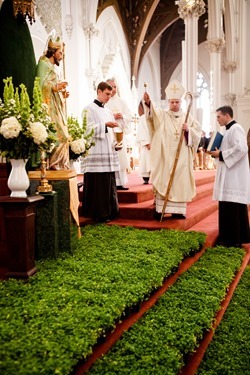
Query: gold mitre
55,44
174,90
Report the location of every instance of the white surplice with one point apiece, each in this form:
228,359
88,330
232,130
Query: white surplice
232,182
118,105
142,140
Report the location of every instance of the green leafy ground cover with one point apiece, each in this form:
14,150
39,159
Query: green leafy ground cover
229,351
161,340
52,321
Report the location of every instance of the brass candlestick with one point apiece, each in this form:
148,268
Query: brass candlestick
44,186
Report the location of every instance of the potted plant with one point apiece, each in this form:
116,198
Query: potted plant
80,139
25,129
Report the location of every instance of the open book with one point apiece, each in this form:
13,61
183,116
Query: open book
215,141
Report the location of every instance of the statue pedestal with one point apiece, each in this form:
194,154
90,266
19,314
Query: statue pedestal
4,174
18,250
54,229
47,244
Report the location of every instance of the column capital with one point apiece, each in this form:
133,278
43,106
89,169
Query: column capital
230,97
190,8
215,45
230,66
90,30
69,25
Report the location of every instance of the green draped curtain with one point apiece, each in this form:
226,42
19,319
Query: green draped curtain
17,57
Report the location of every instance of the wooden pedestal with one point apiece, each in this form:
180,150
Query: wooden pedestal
19,250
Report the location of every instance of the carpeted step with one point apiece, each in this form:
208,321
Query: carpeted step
136,194
145,210
204,177
145,192
204,190
141,215
137,205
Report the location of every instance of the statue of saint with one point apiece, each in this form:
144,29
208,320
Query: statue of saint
54,93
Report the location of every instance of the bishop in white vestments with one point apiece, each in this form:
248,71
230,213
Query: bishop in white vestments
166,128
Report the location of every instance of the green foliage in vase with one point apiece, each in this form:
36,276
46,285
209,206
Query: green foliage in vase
80,138
24,128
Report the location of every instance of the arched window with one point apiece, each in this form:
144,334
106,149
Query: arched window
203,102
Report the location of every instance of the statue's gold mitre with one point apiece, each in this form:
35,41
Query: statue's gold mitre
174,90
55,44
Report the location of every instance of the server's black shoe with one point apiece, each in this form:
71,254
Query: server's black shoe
178,216
121,187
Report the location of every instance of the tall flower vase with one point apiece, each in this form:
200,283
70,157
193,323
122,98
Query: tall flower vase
18,181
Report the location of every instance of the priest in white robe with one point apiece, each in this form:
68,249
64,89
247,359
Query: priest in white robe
165,129
100,200
143,142
232,182
123,117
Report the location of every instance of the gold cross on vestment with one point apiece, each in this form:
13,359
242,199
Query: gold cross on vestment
176,134
175,88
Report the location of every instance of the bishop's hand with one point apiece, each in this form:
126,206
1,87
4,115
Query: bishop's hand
111,124
146,98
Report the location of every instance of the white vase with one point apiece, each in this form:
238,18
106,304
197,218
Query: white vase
18,181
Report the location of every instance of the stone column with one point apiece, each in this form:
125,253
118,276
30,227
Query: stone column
90,32
68,19
190,13
215,43
215,47
230,67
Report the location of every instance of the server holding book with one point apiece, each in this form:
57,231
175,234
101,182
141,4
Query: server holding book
232,182
215,141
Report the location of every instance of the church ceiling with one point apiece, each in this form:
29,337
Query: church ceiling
50,15
144,22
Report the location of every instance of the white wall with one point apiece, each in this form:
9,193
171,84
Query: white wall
110,57
150,73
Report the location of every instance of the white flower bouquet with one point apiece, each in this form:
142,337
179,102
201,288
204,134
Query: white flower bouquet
80,140
24,128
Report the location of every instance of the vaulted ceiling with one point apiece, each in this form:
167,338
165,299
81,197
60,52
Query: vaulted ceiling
144,22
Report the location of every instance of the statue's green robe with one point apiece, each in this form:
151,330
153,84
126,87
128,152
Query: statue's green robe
59,159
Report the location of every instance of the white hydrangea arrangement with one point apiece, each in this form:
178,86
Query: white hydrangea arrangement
80,140
24,128
78,146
